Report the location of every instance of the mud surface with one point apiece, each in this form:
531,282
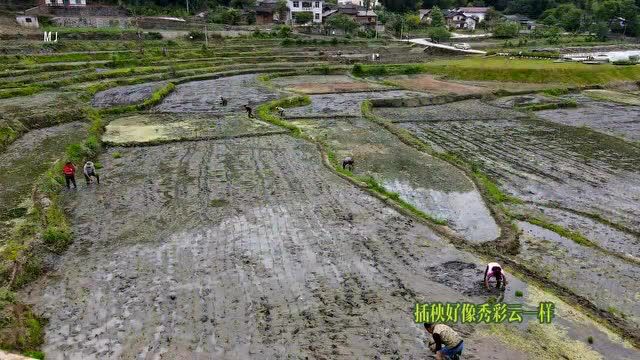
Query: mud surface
30,156
204,96
542,162
430,84
609,282
459,110
319,84
430,184
150,127
125,95
509,102
250,248
607,117
345,104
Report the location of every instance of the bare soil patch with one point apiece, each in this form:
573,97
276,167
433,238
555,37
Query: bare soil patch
429,83
455,111
321,84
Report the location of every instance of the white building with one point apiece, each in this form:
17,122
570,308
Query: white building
314,7
372,3
62,3
478,12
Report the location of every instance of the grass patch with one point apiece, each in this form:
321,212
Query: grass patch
550,106
590,339
519,293
510,70
116,155
577,237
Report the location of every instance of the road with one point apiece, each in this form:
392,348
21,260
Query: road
432,44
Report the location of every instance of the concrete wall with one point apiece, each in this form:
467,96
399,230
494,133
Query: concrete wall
27,21
94,21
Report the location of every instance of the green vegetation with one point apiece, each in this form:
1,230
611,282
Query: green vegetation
590,339
511,70
569,234
519,293
548,106
116,155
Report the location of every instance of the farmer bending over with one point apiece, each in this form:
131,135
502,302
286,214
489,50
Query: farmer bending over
347,163
494,270
280,111
447,344
89,171
248,108
223,101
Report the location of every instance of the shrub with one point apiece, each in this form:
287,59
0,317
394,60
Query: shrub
195,36
590,339
153,35
57,238
519,293
506,29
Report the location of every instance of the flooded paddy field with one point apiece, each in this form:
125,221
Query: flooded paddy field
319,84
252,248
204,96
125,95
553,167
430,184
162,127
453,111
601,114
343,104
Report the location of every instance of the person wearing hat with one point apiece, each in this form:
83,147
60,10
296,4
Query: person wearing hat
89,171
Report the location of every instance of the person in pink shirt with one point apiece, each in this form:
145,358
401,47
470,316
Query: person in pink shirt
495,270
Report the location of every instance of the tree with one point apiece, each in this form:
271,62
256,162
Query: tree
437,17
411,21
438,34
600,31
506,29
401,5
342,22
303,17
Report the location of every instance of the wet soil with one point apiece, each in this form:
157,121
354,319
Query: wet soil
320,84
429,83
125,95
204,96
430,184
29,157
609,282
509,102
542,162
246,248
345,104
162,127
607,117
454,111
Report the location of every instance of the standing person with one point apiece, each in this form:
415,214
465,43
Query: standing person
249,112
69,171
89,170
447,344
495,270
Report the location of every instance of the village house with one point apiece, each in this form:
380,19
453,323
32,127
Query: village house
458,20
479,13
63,2
367,19
314,7
425,16
372,3
267,12
525,22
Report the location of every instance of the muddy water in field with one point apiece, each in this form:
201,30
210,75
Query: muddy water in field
345,104
29,157
124,95
251,248
144,128
459,110
544,162
318,84
204,96
609,282
430,184
607,117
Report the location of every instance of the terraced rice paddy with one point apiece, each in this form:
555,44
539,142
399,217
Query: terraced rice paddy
213,234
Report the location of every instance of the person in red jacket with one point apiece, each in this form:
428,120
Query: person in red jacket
69,171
